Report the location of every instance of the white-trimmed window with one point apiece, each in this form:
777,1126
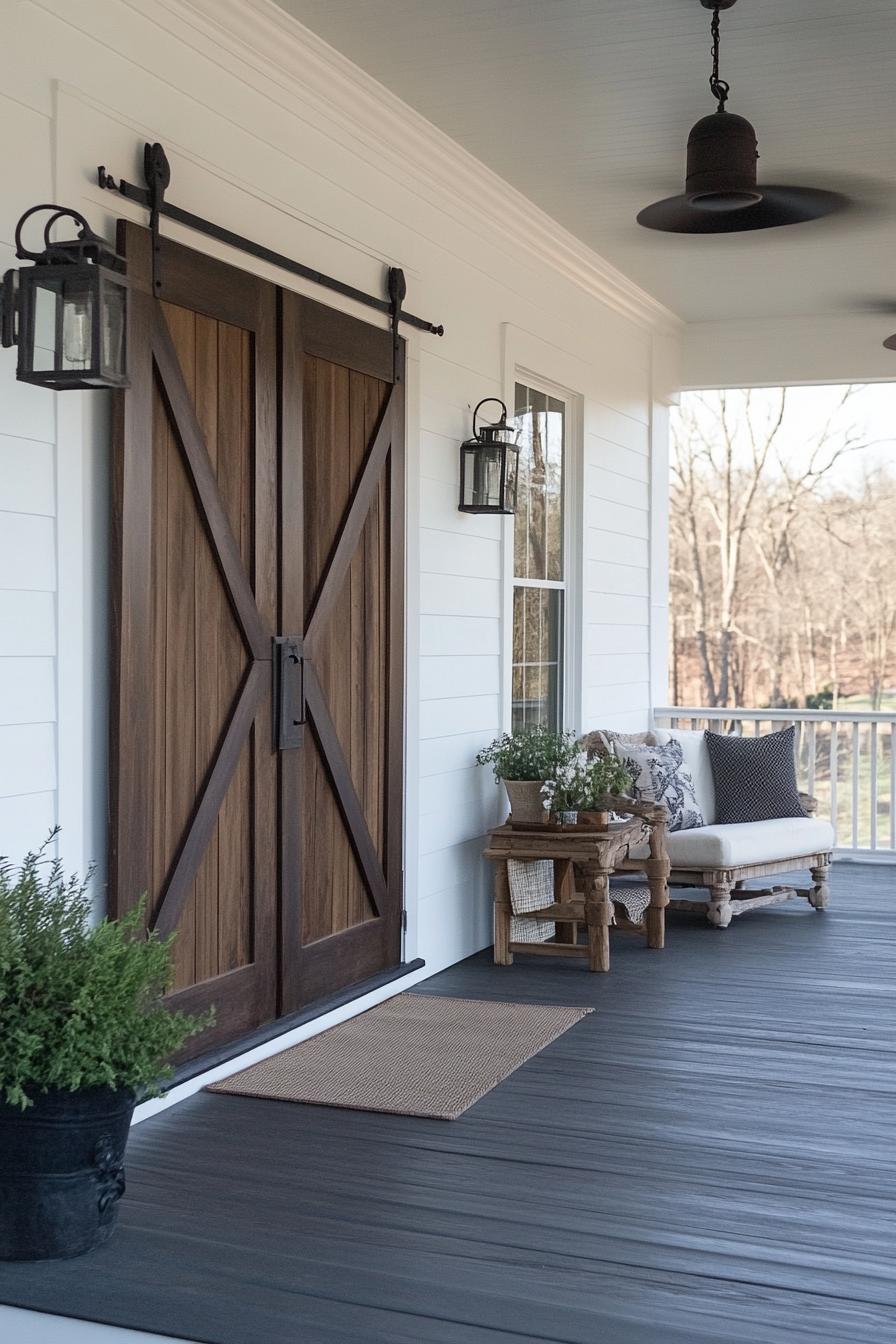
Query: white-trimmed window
540,560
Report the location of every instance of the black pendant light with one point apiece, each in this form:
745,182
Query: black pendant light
721,193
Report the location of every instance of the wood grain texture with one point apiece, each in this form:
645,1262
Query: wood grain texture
353,585
204,817
256,494
706,1159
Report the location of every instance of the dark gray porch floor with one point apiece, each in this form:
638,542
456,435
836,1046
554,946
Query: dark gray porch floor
709,1157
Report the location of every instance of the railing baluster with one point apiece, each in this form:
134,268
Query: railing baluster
835,767
855,785
810,757
873,785
893,785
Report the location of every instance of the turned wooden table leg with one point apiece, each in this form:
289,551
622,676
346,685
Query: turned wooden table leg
503,954
598,913
657,880
658,868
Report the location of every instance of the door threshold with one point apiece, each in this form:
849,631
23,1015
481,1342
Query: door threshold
209,1067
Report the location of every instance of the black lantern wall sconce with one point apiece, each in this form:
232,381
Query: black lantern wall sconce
68,312
488,466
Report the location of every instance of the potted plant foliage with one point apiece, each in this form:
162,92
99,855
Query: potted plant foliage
605,776
578,790
564,792
523,760
84,1035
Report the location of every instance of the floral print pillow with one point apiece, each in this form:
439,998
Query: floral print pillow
660,777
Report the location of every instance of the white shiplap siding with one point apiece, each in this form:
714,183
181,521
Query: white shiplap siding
282,139
27,532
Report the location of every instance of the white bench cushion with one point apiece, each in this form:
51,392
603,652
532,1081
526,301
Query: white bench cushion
749,842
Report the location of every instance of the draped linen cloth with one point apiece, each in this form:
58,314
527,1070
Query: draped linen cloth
532,889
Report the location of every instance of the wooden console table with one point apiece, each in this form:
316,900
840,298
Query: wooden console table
594,854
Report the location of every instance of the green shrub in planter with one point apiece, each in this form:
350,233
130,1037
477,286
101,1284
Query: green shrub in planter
529,754
83,1035
523,760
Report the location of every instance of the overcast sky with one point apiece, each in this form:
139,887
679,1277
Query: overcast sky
871,411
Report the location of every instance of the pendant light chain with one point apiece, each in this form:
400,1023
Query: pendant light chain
720,87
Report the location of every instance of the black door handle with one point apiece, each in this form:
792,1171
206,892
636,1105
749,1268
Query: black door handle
289,663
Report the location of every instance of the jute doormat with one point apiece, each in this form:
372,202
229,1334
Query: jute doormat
415,1054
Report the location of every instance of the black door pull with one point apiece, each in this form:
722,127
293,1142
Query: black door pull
290,668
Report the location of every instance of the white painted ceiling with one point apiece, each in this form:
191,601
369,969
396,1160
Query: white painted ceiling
585,106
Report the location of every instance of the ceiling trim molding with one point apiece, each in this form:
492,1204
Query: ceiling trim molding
272,48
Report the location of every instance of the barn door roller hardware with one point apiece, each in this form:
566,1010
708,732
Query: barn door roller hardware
157,175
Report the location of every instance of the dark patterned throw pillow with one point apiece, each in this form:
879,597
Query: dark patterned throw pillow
755,777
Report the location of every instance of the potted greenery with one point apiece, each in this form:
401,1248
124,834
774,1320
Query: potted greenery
85,1034
579,789
605,776
523,760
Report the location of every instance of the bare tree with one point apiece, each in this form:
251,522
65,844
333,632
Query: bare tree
765,549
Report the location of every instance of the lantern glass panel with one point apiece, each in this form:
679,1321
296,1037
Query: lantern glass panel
112,327
482,474
43,342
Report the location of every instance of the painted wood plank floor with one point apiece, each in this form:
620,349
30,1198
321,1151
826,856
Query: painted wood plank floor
709,1157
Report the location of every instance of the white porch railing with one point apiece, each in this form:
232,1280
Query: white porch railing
847,760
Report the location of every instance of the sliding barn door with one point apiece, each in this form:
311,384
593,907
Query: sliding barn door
194,773
342,802
257,715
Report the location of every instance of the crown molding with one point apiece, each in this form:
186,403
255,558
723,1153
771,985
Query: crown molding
294,67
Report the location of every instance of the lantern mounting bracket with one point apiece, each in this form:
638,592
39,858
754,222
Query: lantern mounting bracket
157,177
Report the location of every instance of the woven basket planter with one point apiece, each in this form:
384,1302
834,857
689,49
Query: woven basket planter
526,802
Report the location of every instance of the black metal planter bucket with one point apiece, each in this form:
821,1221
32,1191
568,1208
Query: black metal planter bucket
62,1172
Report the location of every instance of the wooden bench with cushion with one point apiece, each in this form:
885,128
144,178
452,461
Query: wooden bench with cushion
723,858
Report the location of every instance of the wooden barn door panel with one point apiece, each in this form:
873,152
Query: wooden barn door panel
346,789
194,780
258,496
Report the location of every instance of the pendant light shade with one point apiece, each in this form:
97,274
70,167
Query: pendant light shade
722,194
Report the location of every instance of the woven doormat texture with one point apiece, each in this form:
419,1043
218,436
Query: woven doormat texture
415,1054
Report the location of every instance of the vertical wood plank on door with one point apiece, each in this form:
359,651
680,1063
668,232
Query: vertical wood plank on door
358,726
261,430
235,816
181,779
211,603
335,666
158,708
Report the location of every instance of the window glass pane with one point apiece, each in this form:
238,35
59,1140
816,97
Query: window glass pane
538,530
555,429
537,640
